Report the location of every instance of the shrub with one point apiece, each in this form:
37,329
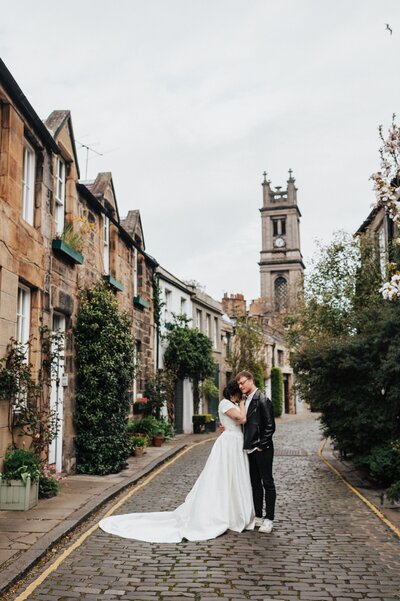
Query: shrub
19,464
277,390
48,487
105,369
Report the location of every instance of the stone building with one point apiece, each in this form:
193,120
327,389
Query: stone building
176,299
144,275
281,281
281,261
379,225
42,203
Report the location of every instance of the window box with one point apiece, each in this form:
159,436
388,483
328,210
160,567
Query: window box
67,251
138,301
114,283
17,496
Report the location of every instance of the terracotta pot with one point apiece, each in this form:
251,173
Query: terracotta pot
158,440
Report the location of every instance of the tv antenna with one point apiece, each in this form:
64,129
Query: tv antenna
88,149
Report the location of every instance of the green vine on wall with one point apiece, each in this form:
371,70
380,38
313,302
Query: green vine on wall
30,414
105,351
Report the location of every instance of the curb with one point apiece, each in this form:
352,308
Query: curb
23,564
326,458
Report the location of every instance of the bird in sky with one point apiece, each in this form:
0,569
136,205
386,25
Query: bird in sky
389,28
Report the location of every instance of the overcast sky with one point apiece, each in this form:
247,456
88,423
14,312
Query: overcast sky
190,100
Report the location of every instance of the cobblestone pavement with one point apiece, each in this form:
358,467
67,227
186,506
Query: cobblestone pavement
325,545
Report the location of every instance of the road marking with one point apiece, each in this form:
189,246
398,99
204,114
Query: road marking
356,491
53,567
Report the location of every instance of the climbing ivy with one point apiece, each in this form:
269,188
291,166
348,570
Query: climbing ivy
105,370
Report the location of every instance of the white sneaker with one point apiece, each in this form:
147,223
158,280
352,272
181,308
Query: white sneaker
266,526
258,522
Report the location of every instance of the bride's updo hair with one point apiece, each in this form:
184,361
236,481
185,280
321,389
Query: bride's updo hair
232,388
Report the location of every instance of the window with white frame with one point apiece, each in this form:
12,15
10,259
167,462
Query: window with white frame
382,251
28,183
183,306
135,273
208,325
23,314
168,301
60,195
215,332
198,319
106,238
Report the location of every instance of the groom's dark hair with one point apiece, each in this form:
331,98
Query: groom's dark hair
244,374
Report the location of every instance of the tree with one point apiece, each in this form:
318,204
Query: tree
105,369
346,357
248,349
277,390
188,355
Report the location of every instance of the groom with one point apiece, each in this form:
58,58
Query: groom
258,431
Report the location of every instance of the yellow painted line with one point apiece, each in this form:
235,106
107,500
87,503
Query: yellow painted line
53,567
354,490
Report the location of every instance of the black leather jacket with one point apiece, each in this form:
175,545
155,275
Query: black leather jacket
260,424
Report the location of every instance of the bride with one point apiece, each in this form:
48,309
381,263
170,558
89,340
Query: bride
221,498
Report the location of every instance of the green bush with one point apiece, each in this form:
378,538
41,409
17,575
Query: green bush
48,487
21,463
277,390
105,369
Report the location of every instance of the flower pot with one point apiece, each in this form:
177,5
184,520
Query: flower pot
158,440
17,496
138,451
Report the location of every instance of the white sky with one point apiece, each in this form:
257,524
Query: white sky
190,100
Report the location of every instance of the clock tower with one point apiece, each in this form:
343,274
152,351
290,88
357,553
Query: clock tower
281,261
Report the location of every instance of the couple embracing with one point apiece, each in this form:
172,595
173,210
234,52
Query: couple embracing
234,485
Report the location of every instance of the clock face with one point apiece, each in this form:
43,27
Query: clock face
279,242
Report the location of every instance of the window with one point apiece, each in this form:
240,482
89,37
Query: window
279,226
183,306
23,314
382,251
215,332
198,319
28,184
208,325
106,237
228,344
280,358
281,294
135,273
168,300
60,195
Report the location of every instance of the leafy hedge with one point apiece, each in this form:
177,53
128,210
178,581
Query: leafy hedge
277,390
105,370
346,342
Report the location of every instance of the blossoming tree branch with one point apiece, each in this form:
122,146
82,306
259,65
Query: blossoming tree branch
387,190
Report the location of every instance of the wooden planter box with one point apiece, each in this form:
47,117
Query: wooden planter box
17,496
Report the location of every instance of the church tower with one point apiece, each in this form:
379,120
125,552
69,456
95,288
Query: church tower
281,261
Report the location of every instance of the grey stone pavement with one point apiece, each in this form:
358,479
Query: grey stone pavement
326,543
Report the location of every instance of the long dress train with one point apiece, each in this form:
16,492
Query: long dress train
220,499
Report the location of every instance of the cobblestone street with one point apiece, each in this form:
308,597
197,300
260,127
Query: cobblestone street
326,543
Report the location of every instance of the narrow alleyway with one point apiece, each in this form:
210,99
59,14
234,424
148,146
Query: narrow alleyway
326,543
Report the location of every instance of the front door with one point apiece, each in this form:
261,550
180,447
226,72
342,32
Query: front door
57,400
179,407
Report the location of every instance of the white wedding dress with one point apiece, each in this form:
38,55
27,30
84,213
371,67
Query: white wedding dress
220,499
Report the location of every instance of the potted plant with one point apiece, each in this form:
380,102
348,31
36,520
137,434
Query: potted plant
19,483
158,434
138,445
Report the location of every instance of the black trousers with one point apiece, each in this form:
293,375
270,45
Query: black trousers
262,481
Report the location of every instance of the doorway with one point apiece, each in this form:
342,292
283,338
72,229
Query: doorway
57,398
